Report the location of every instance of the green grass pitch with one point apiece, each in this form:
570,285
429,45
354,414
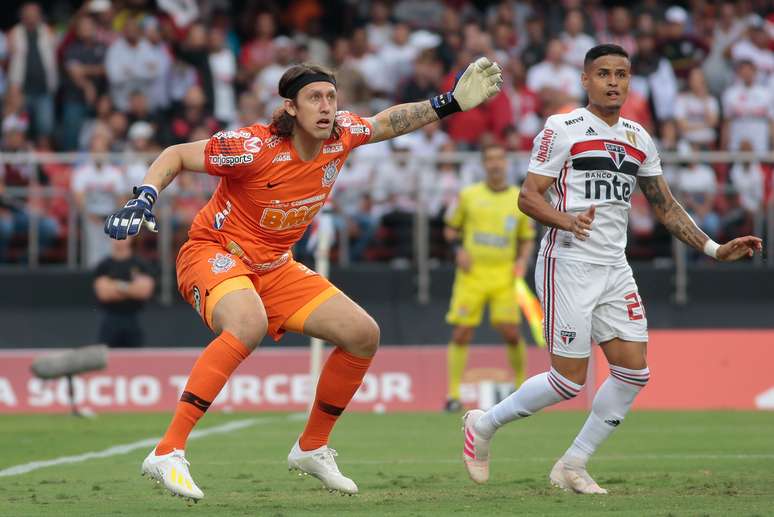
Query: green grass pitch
657,463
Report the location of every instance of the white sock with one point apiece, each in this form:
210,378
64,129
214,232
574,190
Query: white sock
611,403
542,390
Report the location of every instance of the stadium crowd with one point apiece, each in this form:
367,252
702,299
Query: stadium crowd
133,76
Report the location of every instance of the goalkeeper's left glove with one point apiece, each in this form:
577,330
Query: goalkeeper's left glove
135,213
481,81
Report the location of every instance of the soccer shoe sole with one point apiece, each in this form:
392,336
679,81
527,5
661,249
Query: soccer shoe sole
302,474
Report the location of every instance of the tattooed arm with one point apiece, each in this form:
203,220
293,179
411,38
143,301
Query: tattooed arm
188,156
669,212
400,119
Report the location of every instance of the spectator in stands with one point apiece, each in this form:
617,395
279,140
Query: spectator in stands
534,49
224,69
250,111
3,63
697,185
654,79
97,185
132,64
749,111
397,58
352,89
576,42
140,142
493,117
33,68
83,81
717,67
16,213
524,107
555,74
683,50
697,113
619,29
504,42
265,84
748,180
428,72
159,96
103,110
259,51
195,51
118,123
756,47
123,284
379,28
192,114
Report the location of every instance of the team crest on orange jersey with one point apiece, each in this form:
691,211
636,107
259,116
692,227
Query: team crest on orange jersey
222,263
330,171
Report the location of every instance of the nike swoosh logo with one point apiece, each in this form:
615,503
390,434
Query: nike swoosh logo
271,185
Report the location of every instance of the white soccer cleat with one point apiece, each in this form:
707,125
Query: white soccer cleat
571,477
172,471
475,451
321,464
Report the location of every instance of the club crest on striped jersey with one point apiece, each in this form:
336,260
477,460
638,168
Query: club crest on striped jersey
617,152
330,171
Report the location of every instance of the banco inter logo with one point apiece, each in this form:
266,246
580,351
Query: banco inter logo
603,185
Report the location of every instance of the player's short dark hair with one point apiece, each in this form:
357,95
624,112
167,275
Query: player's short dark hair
282,122
607,49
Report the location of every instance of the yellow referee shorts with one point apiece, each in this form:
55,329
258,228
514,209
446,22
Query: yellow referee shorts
472,291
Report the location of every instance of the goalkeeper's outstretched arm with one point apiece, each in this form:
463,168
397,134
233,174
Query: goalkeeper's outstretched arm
400,119
480,81
138,211
175,158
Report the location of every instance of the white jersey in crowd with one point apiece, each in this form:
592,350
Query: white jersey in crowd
594,164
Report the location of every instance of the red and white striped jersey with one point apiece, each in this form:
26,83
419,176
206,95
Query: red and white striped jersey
593,164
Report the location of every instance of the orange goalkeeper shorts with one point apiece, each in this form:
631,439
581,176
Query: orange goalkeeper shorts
206,272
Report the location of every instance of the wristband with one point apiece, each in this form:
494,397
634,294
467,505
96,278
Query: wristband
444,105
147,193
711,248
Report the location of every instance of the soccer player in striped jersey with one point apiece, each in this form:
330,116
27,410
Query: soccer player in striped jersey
587,162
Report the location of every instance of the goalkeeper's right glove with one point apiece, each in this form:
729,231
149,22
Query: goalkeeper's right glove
481,81
135,213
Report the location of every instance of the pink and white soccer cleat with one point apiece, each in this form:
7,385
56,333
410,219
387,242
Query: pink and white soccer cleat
475,451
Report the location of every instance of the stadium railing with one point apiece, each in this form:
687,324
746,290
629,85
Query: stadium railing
69,252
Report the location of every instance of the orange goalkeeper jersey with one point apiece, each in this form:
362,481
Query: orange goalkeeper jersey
267,195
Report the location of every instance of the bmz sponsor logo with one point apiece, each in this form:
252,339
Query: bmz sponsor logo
279,219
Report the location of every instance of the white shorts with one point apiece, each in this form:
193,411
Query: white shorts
583,301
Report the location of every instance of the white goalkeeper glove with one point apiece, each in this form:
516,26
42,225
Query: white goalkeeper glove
481,81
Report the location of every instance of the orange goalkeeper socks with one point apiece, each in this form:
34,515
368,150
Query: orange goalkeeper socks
340,378
208,376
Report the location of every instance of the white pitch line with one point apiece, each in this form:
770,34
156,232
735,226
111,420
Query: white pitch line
127,447
532,459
